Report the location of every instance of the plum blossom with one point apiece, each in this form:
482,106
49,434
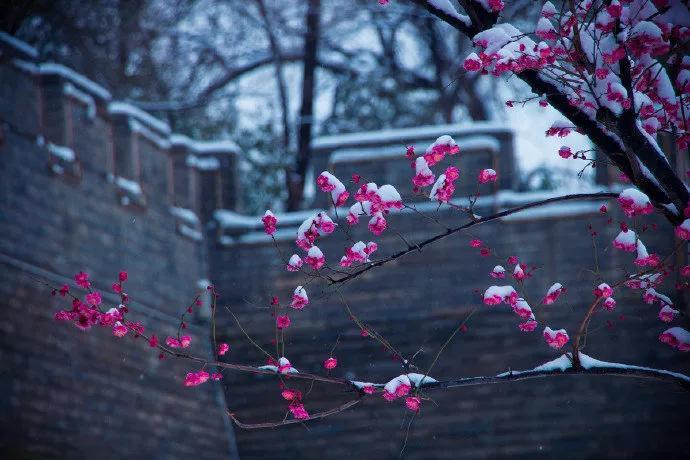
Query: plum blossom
119,329
327,182
397,387
223,348
498,272
626,240
667,314
359,252
193,379
487,175
528,326
519,272
494,295
330,363
553,293
683,230
676,337
522,309
82,280
413,403
270,221
283,322
295,263
377,224
603,290
299,298
423,175
565,152
315,258
555,339
609,303
634,202
185,341
444,145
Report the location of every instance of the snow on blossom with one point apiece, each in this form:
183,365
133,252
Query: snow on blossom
609,303
315,258
359,252
626,240
498,272
565,152
519,272
119,329
295,263
444,187
472,63
634,202
423,175
667,313
651,296
397,387
327,182
603,290
555,339
548,10
683,230
284,366
299,298
367,192
553,293
545,30
494,295
377,224
270,221
311,228
676,337
388,198
522,309
487,175
330,363
444,145
643,258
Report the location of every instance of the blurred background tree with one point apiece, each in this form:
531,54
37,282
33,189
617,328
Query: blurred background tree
270,74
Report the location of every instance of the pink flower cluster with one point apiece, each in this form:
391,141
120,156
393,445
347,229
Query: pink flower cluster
193,379
555,339
359,252
270,221
327,182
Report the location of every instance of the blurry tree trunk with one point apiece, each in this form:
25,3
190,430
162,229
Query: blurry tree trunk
278,70
296,177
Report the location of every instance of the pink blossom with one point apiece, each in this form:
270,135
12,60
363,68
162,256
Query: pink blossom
216,376
565,152
270,221
291,395
683,230
315,258
609,303
423,175
472,63
185,341
117,288
122,276
676,337
223,348
555,339
196,378
299,298
298,411
487,175
330,363
528,326
93,298
444,145
153,341
553,293
498,272
64,290
377,224
119,329
172,342
413,403
667,314
685,271
295,263
603,290
494,295
82,280
283,322
475,243
519,272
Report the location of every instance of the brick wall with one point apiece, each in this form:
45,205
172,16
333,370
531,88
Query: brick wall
72,394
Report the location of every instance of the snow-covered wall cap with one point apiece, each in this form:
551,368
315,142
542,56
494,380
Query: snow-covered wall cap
204,147
468,144
416,134
19,46
123,108
77,79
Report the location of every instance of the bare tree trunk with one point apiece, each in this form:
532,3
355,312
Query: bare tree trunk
306,115
278,70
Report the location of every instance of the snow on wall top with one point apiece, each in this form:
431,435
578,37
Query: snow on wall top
202,147
18,45
123,108
472,143
396,135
